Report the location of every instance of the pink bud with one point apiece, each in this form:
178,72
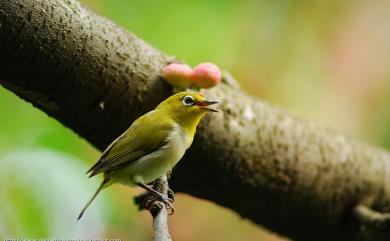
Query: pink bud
178,75
206,75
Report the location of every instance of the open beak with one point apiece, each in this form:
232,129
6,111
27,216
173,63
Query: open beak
205,103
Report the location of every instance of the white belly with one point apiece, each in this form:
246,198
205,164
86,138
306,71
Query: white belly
152,166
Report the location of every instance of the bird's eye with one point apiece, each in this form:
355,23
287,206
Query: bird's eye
188,100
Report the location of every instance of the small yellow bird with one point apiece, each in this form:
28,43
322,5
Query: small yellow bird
152,145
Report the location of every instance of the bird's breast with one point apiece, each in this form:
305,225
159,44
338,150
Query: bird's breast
152,166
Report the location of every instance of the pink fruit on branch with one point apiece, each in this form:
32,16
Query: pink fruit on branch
178,75
206,75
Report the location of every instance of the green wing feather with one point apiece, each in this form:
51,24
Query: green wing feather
145,135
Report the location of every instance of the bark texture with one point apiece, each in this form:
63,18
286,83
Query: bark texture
290,175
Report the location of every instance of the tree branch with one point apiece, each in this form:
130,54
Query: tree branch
157,209
159,212
372,218
270,166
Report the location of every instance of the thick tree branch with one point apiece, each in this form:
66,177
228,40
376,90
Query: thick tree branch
270,166
371,217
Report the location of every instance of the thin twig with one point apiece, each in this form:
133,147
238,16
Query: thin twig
160,224
157,209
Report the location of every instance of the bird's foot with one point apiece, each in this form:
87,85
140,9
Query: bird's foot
156,195
166,200
150,202
171,194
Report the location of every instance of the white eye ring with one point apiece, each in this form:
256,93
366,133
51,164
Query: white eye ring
188,100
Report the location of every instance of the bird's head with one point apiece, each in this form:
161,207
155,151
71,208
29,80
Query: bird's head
186,107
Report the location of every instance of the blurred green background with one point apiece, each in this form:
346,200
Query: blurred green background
327,60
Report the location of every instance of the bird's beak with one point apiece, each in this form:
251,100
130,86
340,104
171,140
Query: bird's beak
205,103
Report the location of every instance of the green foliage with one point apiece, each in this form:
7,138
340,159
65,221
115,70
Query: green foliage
23,125
42,192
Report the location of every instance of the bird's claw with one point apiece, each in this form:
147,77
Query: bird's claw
150,202
168,202
165,199
171,209
171,194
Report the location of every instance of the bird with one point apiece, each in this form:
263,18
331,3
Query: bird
152,145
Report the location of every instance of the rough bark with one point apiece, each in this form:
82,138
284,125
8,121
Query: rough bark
290,175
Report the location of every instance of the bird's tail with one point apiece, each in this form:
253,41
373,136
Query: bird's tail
104,182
